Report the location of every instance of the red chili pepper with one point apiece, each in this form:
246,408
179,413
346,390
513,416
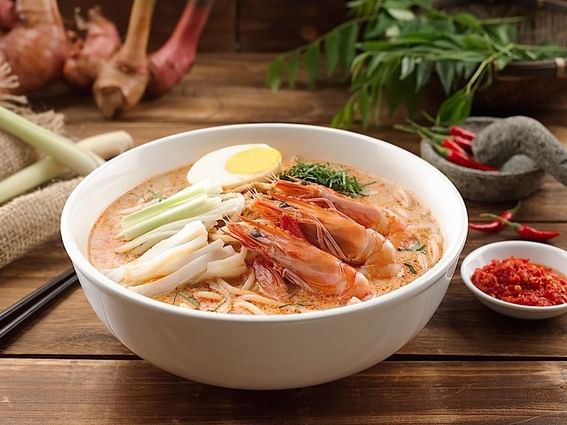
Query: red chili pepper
451,144
457,157
462,132
525,231
465,144
496,225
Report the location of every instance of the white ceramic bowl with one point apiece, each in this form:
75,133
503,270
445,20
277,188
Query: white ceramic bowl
270,352
540,253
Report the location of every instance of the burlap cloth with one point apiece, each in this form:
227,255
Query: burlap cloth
32,219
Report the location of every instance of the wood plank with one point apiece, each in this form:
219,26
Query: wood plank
30,272
275,25
133,392
461,326
219,34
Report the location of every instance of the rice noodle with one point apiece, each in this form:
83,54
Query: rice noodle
148,240
248,306
209,295
224,307
259,299
404,197
231,289
187,305
227,267
423,261
189,272
188,233
160,262
249,282
434,250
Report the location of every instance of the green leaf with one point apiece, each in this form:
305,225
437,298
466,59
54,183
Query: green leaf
455,109
446,72
423,74
381,24
375,62
331,45
274,75
468,20
344,118
501,33
364,107
408,66
292,65
401,14
312,63
357,65
394,92
347,45
477,42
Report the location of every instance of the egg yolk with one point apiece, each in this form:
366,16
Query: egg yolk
254,160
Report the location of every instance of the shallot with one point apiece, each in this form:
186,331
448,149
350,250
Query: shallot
87,56
37,46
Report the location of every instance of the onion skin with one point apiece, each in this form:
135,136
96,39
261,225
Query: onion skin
37,47
87,56
175,58
122,81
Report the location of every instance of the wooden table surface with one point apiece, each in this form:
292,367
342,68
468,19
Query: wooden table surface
469,365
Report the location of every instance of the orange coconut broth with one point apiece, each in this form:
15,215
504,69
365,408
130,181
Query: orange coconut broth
415,259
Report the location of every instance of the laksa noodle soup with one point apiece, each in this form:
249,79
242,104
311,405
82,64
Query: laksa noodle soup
245,231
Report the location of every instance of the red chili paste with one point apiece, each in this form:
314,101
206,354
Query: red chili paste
519,281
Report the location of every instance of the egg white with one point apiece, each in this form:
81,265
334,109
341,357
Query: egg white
213,166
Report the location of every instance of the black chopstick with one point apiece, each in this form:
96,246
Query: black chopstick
17,313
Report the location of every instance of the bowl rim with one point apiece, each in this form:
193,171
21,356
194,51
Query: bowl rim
505,304
97,278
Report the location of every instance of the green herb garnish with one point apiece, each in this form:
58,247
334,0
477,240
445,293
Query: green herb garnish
333,177
411,268
416,247
187,298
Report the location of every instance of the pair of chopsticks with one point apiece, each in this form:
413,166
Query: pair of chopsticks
19,312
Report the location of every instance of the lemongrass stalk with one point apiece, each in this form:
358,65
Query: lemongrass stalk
228,207
104,145
198,205
59,148
203,187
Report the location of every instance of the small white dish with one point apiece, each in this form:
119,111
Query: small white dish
540,253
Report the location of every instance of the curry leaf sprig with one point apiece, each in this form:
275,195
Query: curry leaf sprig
390,49
335,178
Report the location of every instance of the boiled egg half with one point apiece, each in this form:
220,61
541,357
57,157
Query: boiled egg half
236,165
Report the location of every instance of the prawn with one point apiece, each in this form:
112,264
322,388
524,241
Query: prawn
300,262
334,233
380,219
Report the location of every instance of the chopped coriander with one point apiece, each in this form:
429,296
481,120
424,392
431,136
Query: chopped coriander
333,177
411,268
416,247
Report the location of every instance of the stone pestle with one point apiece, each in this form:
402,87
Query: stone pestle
507,137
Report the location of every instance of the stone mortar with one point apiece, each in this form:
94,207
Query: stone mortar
502,139
518,178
